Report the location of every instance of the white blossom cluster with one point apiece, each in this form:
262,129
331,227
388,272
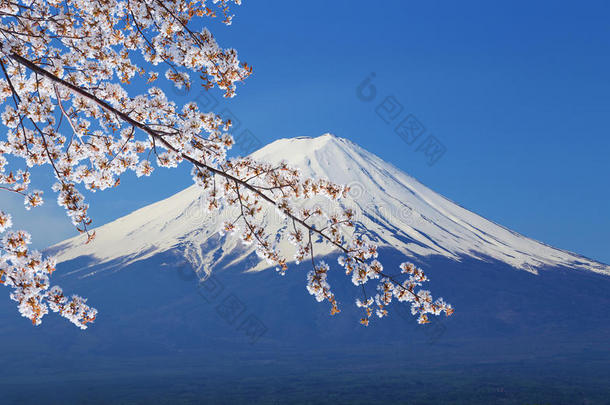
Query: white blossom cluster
253,184
318,286
27,273
360,262
421,301
66,73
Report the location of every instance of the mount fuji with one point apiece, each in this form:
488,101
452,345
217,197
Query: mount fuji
182,305
395,209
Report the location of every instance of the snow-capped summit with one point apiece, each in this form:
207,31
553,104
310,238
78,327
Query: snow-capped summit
396,209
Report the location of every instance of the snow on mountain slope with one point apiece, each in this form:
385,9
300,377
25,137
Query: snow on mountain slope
396,209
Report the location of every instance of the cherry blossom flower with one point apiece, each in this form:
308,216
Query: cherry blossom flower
68,104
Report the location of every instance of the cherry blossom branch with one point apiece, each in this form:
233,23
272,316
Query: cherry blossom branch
360,258
78,50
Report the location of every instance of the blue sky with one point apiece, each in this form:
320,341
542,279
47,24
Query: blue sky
518,93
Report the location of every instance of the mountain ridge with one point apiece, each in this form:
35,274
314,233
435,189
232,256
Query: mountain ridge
397,210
